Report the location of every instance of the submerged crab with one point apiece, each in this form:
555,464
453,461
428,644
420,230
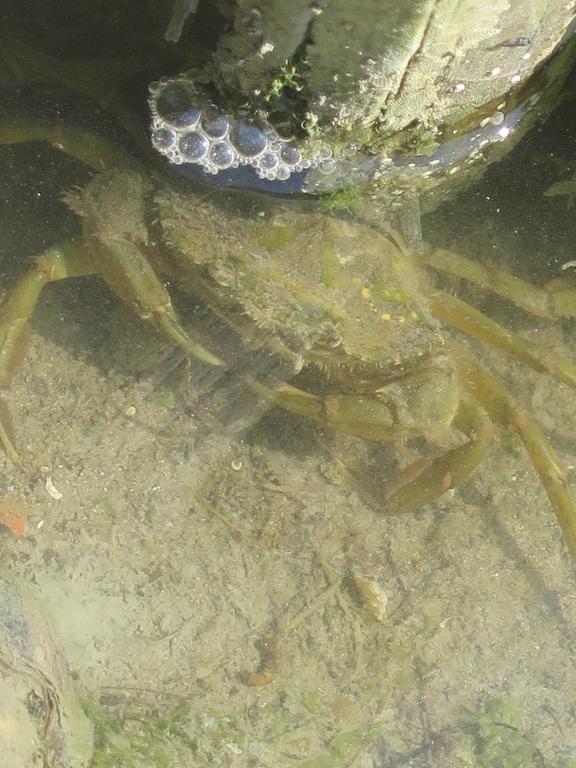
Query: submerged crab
320,293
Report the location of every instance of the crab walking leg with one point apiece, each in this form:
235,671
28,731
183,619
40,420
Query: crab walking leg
93,150
502,408
75,259
537,301
452,467
125,268
463,317
114,207
128,274
97,81
121,260
68,260
421,482
353,414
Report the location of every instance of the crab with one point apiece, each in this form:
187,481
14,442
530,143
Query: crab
325,295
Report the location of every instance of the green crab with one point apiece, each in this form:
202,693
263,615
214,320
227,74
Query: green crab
343,299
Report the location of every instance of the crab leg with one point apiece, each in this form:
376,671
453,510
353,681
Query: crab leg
97,80
419,483
128,274
68,260
451,468
6,440
122,263
91,149
114,208
537,301
502,408
470,320
361,416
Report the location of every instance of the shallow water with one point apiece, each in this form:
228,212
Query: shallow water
201,579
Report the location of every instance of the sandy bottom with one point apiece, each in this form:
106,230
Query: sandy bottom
203,581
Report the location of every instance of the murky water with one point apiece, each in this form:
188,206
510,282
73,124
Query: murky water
201,556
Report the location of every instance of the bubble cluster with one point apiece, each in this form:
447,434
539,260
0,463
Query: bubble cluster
248,152
187,130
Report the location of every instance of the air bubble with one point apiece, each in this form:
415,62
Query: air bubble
222,155
290,155
216,127
248,139
176,103
268,162
327,166
163,139
193,146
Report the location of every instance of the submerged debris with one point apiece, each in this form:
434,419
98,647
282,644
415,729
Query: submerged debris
51,489
182,10
372,595
13,515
